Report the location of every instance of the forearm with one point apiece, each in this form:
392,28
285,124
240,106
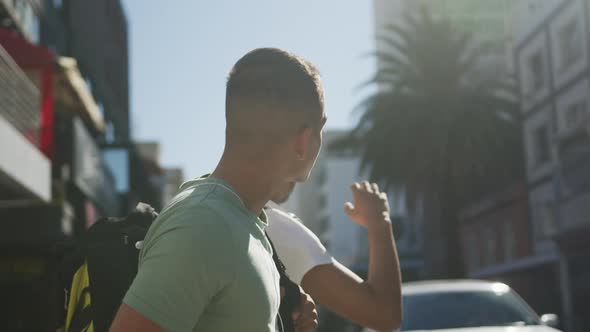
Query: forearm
374,302
384,278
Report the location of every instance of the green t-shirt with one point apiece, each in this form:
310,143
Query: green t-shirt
206,265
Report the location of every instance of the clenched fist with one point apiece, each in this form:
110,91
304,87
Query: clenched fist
305,317
369,204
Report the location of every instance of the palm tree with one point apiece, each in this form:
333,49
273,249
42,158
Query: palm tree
437,127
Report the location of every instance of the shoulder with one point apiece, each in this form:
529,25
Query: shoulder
297,246
284,223
190,228
191,216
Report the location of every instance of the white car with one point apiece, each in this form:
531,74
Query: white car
469,305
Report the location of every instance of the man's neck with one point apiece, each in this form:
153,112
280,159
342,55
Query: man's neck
253,183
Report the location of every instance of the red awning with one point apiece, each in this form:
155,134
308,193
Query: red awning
25,54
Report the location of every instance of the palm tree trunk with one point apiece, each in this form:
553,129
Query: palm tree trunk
454,256
434,246
442,250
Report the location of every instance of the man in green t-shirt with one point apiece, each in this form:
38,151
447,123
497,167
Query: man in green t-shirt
206,264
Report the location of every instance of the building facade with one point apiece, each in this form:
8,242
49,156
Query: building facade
497,244
552,57
495,233
63,111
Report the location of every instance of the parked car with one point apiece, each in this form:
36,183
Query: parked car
469,305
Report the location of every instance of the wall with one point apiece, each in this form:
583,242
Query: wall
496,231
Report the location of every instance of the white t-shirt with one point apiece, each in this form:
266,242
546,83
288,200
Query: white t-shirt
297,246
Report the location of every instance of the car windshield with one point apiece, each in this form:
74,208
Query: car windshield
446,310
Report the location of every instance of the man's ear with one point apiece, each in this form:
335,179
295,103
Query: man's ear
302,142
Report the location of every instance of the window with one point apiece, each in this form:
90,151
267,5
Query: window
574,114
117,160
570,43
537,72
541,145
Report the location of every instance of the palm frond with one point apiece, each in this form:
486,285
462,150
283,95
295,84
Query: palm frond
435,121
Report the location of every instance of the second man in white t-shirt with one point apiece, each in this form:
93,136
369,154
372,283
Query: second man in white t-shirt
375,302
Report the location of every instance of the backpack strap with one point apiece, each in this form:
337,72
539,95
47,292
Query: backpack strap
278,263
292,298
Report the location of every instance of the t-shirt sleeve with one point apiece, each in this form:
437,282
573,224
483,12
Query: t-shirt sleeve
297,246
181,269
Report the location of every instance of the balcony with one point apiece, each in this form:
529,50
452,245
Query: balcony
25,173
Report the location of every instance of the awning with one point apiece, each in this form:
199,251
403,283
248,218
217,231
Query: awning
74,94
27,55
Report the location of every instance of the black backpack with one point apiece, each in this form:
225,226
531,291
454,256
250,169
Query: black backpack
103,263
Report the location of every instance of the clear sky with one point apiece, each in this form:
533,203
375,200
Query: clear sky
182,50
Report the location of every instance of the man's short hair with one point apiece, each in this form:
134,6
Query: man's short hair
274,78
